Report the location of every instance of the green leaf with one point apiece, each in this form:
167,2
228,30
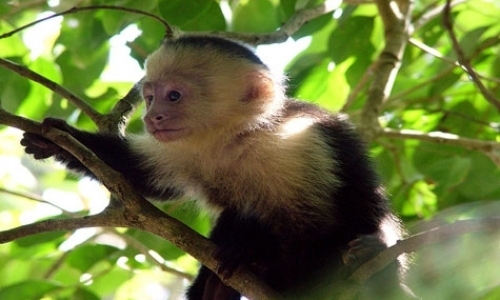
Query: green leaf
114,21
12,46
287,9
84,294
315,83
421,200
40,239
313,26
180,12
255,16
439,86
492,294
78,75
83,35
469,42
13,89
28,290
85,256
483,180
108,283
448,173
352,37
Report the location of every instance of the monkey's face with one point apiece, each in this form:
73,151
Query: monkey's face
204,94
166,114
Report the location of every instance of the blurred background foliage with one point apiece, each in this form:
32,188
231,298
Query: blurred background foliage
98,55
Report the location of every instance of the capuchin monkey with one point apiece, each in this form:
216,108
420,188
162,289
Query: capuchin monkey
294,194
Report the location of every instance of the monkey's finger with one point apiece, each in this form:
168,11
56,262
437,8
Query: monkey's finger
31,139
38,146
38,153
49,123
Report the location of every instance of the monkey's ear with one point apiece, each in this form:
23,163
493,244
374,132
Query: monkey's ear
259,88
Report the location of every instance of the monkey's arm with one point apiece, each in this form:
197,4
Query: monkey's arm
111,149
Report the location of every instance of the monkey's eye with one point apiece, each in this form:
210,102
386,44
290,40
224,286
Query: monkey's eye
174,96
149,99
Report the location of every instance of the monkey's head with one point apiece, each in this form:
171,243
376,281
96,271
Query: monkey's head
199,85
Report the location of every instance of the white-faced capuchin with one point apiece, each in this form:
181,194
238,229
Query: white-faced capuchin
296,199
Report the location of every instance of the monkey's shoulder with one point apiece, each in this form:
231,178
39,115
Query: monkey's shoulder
331,125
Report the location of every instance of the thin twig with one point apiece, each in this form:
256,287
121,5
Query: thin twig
435,10
169,29
53,86
463,61
144,250
359,86
490,148
117,119
291,26
36,198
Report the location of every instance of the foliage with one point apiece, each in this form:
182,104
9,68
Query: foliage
439,169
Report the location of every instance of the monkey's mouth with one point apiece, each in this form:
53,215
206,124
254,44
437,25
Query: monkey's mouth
168,135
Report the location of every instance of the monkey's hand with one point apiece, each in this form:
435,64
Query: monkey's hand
41,147
248,244
230,258
363,249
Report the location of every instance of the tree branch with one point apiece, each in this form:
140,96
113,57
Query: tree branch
145,251
490,148
422,239
169,31
397,27
117,119
291,26
36,198
132,211
51,85
463,61
359,86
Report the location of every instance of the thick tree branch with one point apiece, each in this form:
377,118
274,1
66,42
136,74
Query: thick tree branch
411,244
397,27
107,218
420,240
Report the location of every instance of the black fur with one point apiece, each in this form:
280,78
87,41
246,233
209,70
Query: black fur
287,260
226,46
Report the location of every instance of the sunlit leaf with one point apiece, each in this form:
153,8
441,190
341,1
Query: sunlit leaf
179,12
85,256
352,38
255,16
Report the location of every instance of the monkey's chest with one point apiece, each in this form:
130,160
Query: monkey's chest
258,185
276,175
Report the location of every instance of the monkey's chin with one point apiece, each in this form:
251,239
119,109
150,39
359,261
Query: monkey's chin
169,135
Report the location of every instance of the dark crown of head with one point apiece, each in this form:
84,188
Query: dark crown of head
220,44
